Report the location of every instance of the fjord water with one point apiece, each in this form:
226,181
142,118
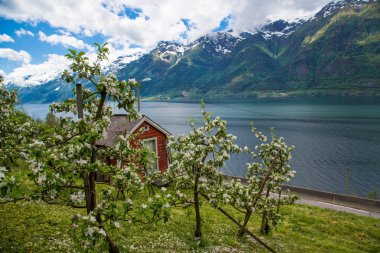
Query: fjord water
335,138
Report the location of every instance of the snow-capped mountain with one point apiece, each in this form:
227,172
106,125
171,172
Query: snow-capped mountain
35,79
336,5
272,57
121,62
315,53
280,28
216,43
168,51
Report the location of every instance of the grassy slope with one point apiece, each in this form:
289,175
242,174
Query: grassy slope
26,227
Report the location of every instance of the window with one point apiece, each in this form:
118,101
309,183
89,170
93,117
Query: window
152,145
146,128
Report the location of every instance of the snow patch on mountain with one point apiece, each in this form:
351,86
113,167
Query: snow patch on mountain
168,51
32,79
59,87
35,74
334,6
121,62
218,42
280,28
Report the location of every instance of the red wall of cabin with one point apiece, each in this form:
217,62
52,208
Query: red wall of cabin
161,144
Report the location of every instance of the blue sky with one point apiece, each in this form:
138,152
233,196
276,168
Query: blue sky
35,35
32,44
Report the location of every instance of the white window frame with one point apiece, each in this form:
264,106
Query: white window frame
156,141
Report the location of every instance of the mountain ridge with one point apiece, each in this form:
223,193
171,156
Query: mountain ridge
335,52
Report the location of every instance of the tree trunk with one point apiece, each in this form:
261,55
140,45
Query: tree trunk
246,219
88,185
279,201
89,182
248,215
112,248
87,192
6,165
90,191
198,229
264,230
89,179
78,87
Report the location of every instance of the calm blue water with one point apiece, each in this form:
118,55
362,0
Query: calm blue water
330,135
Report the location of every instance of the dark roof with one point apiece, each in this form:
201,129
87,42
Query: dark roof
120,124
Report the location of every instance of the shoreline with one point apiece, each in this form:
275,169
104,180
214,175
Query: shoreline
339,202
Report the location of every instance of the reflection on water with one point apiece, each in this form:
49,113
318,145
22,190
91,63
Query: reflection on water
330,135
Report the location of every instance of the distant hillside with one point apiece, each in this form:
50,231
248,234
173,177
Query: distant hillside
336,52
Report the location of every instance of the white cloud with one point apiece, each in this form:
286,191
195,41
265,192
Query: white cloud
5,38
62,31
3,74
158,20
252,14
22,32
34,74
13,55
64,40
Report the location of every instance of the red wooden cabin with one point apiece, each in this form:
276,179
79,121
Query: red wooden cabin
153,136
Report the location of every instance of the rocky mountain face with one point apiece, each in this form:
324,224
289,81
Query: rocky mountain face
334,52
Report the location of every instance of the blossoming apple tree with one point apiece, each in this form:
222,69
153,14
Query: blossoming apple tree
196,162
64,163
265,177
16,130
197,159
15,127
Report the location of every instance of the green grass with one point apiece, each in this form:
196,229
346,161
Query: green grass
37,227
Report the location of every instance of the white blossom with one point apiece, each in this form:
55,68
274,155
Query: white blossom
81,161
2,174
90,231
41,178
77,197
36,143
132,80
